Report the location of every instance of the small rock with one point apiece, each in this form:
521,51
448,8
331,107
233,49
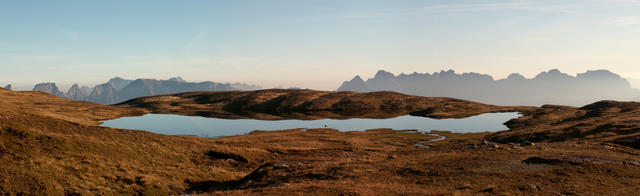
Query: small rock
280,165
527,143
634,163
489,189
464,186
485,142
534,187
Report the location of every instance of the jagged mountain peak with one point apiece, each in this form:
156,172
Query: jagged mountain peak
48,87
552,74
118,89
548,87
357,79
76,93
382,74
119,83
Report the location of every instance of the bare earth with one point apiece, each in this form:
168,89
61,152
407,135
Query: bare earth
50,145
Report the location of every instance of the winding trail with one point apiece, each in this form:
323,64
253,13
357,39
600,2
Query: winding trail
422,143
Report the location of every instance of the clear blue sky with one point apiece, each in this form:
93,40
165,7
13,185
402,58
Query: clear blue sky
312,44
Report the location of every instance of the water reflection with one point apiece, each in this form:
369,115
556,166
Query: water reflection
214,127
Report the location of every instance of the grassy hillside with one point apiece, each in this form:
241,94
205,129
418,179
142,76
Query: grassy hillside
311,104
609,122
53,146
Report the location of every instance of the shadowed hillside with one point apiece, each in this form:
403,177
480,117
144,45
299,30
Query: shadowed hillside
310,104
552,87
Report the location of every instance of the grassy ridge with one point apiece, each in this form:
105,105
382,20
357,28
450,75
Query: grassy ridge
311,104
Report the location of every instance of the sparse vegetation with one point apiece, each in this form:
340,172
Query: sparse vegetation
50,145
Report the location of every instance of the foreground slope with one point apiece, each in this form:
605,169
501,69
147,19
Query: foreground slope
53,146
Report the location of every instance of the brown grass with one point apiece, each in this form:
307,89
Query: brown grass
311,104
56,147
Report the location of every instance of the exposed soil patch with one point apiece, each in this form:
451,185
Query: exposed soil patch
548,161
219,155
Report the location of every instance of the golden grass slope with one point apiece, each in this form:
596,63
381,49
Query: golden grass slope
53,146
43,104
608,122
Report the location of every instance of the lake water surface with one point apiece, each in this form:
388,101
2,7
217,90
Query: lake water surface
215,127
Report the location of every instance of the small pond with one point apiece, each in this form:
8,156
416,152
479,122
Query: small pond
215,127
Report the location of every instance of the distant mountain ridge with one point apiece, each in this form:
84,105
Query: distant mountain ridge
50,88
550,87
118,89
76,93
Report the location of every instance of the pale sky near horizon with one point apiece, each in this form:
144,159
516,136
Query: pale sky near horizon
310,44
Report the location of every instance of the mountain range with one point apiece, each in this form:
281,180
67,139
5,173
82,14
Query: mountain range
550,87
118,89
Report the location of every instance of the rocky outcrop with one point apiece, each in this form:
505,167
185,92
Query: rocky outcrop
551,87
50,88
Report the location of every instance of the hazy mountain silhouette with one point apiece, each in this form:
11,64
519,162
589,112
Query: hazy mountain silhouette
119,83
104,94
8,87
86,90
76,93
118,89
177,79
245,87
635,82
50,88
149,87
551,87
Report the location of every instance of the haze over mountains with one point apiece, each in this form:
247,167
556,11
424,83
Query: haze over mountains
118,89
551,87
